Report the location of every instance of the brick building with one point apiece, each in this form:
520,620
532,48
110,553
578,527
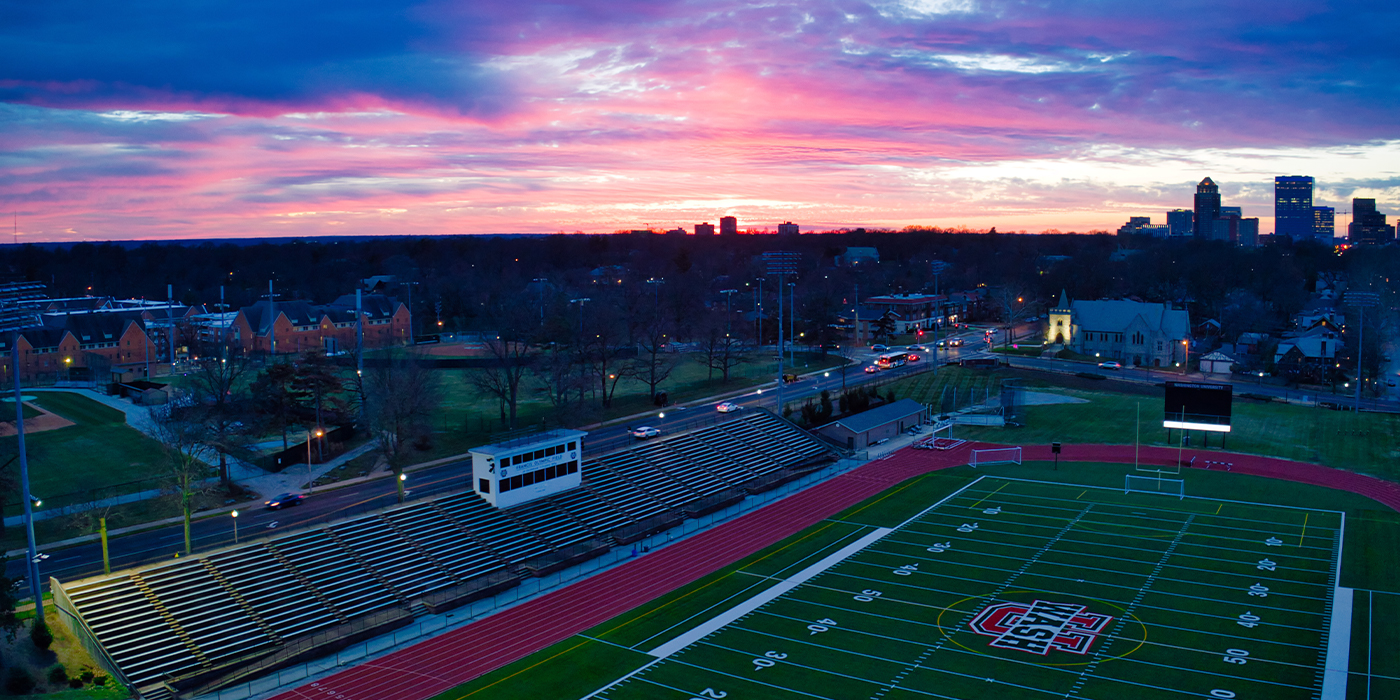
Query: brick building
92,345
301,327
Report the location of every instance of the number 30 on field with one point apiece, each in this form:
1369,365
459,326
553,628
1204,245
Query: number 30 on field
710,693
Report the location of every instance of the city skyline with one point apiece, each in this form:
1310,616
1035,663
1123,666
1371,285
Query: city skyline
304,119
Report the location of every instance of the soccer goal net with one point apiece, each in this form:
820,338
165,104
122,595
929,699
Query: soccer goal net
996,456
1153,484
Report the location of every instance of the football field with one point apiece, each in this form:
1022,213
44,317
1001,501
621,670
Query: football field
1026,589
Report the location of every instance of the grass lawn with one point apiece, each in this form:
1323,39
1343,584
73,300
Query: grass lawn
1039,537
97,457
1364,442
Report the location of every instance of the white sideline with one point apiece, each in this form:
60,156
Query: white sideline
1334,678
748,606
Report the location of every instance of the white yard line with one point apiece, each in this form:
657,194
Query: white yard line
748,606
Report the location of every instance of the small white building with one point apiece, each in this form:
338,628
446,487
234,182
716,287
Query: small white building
517,471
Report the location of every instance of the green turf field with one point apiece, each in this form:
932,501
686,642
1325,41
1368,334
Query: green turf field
1024,589
1171,577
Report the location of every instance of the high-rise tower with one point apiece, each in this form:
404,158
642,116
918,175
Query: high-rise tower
1293,201
1207,209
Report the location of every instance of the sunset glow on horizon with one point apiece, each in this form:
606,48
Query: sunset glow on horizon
158,121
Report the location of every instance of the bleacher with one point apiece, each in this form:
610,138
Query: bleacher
225,609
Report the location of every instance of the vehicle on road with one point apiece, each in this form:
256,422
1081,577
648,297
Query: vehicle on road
892,359
1110,365
955,342
728,407
879,348
644,431
872,369
283,500
913,357
920,348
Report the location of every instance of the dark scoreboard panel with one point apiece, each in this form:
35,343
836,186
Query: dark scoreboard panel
1198,405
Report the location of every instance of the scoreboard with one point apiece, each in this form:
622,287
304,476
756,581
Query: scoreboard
1198,406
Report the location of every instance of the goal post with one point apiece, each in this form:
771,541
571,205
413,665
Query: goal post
1154,484
998,455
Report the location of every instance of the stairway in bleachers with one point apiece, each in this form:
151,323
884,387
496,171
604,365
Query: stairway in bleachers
203,612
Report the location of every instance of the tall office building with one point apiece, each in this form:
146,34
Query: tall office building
1207,209
1324,228
1180,222
705,229
1368,225
728,226
1293,207
787,228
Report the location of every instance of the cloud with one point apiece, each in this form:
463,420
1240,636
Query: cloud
119,120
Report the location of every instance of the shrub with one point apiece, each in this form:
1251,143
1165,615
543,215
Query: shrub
19,682
99,680
58,675
86,675
41,636
75,683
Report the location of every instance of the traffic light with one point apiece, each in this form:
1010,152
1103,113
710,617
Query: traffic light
921,333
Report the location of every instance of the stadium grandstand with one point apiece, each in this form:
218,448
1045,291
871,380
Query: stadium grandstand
194,625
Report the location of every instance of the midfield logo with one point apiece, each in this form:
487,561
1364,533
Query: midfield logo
1041,626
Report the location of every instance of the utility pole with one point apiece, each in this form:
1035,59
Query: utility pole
170,318
728,314
271,322
1360,301
539,283
780,263
14,318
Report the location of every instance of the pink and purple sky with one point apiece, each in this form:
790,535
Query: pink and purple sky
166,119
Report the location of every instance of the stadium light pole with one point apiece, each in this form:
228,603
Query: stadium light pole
728,312
14,318
235,527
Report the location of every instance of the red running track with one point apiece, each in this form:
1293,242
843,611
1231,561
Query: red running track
450,659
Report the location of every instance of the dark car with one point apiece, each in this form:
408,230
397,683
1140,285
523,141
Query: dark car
283,500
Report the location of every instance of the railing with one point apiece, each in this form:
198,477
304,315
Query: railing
288,653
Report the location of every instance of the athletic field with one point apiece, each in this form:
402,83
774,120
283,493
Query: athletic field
1027,589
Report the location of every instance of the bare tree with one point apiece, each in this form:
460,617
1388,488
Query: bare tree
186,449
722,351
654,364
512,353
221,406
402,396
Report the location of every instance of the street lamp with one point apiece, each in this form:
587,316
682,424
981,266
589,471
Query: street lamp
310,483
580,303
402,478
235,527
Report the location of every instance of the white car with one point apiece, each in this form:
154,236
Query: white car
645,431
728,407
1110,365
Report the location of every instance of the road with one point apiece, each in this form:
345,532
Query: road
163,542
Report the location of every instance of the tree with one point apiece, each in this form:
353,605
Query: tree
275,397
9,599
186,470
512,353
402,396
315,379
722,351
220,405
882,327
653,364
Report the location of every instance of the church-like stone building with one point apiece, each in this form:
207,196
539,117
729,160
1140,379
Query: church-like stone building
1131,332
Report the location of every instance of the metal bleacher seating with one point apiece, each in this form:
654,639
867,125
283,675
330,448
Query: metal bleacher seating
436,537
587,508
201,613
506,538
662,486
703,456
675,465
551,523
